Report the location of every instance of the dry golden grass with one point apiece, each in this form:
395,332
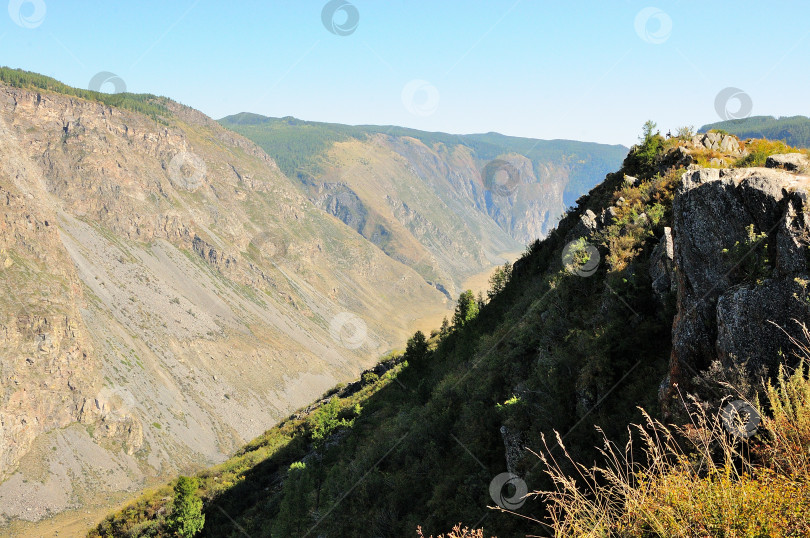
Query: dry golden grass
457,532
759,149
696,480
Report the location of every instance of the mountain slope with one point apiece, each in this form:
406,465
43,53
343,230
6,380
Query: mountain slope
422,197
168,293
580,335
793,130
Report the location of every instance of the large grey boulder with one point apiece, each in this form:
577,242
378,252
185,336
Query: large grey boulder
722,313
789,161
730,145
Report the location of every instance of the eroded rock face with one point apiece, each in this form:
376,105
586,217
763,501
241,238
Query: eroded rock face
167,295
662,266
514,444
734,293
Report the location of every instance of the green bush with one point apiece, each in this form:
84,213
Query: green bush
749,258
642,160
186,519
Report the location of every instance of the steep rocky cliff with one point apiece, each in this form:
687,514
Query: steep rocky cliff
741,243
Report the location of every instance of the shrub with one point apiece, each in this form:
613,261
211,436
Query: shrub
749,258
686,132
642,160
186,518
759,150
369,378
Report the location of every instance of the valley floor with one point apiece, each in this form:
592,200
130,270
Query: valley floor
477,282
70,523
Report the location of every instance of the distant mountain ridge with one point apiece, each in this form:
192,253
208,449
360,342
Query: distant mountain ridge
793,130
487,146
443,204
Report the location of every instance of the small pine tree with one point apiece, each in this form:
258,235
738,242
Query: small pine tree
445,330
466,309
642,159
416,349
186,518
499,278
293,509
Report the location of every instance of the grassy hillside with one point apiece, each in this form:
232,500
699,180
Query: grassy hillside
793,130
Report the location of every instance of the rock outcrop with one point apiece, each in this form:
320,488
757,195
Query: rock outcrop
514,448
740,249
662,266
723,143
794,162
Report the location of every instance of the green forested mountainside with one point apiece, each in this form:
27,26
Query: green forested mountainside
419,443
148,104
793,130
296,145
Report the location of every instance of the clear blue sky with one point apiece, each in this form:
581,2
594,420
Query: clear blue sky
545,69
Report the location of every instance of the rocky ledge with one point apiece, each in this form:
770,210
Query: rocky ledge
740,240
